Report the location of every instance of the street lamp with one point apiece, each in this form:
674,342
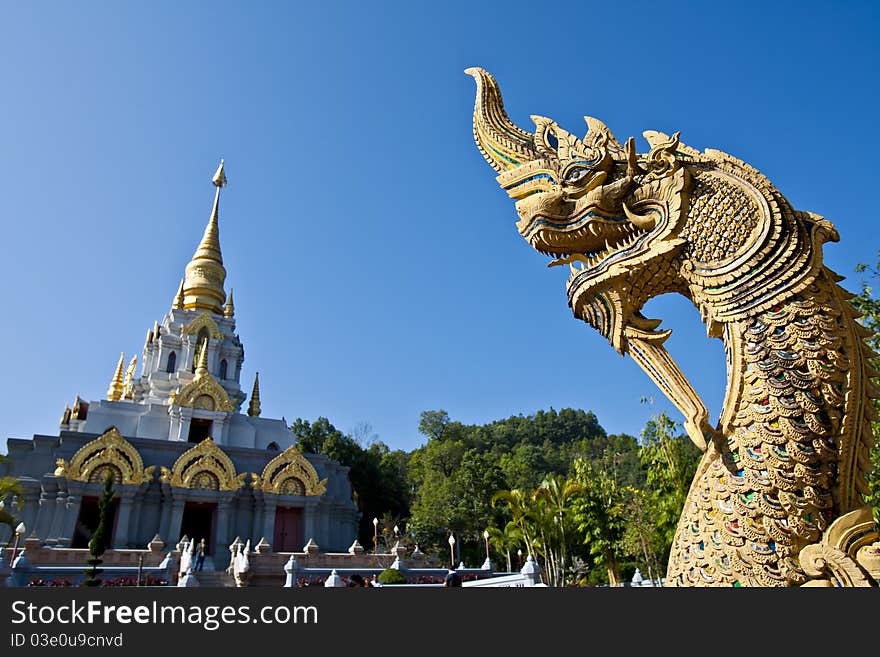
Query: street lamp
396,529
21,529
486,538
519,557
375,535
451,552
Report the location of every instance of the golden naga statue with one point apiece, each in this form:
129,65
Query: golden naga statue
778,496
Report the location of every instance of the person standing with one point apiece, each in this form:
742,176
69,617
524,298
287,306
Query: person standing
200,554
452,578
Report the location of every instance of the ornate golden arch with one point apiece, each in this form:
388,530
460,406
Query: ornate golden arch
108,452
204,393
203,321
205,457
290,473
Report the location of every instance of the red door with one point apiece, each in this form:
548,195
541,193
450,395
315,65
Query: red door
288,530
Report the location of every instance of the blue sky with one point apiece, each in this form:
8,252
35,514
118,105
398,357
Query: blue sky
376,267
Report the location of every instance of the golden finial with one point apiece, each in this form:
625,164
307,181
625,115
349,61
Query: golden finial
114,393
205,274
65,418
149,338
128,382
202,359
178,298
77,408
219,178
229,308
254,405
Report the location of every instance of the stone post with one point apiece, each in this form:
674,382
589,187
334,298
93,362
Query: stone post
21,570
334,580
290,572
532,571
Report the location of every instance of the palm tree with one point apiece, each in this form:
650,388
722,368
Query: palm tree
519,502
557,491
505,540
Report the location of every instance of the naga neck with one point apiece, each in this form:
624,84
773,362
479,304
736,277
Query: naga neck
796,378
746,249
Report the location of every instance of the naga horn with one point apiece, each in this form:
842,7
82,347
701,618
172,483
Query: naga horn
502,143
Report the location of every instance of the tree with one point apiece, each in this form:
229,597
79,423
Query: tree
98,542
671,461
506,540
10,489
641,538
557,492
600,514
377,475
869,306
519,503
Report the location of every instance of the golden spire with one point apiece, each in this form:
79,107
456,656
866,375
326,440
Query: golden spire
254,405
202,359
178,298
229,308
114,393
65,418
128,382
205,274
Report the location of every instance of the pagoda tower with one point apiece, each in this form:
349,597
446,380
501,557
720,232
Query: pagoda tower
191,361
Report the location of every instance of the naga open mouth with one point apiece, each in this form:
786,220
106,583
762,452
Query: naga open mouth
591,239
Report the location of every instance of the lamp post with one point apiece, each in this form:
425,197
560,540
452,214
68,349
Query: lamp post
375,535
451,552
486,538
19,530
396,530
519,557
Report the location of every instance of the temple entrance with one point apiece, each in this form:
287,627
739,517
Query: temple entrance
87,522
199,429
198,523
288,530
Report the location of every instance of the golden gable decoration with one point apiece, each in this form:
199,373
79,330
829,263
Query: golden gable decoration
203,393
205,467
109,452
204,321
290,473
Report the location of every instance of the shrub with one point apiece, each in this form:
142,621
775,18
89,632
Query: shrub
391,576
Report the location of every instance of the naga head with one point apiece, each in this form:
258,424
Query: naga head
587,202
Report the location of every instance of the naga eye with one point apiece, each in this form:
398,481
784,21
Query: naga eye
576,174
